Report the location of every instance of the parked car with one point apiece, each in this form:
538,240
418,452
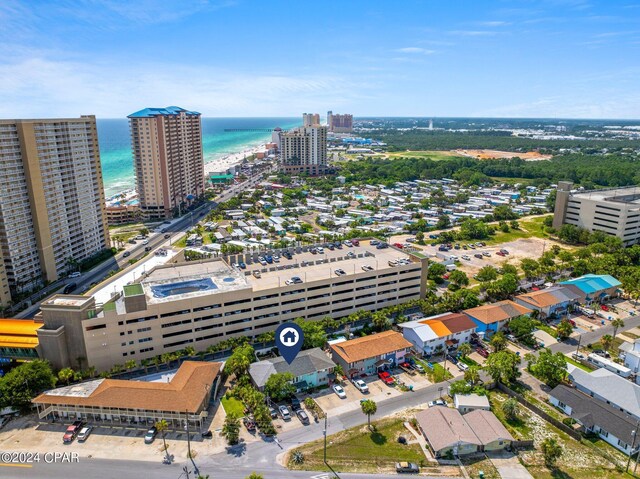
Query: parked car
361,386
504,251
150,435
356,242
72,431
303,416
257,274
478,255
249,423
295,403
366,267
284,412
273,413
339,391
511,337
386,378
242,265
486,253
466,257
84,433
418,367
462,366
408,467
340,272
602,353
579,357
482,352
437,402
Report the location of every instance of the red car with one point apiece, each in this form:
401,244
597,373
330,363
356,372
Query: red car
72,431
355,242
483,352
386,377
500,253
398,245
604,307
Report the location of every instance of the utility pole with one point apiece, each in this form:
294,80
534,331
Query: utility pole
195,468
578,348
325,449
633,443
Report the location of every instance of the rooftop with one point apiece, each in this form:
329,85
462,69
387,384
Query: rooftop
19,333
618,195
370,346
495,312
306,362
188,280
593,412
592,283
548,297
170,110
322,266
440,325
185,392
607,384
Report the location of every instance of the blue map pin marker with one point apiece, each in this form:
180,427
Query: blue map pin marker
289,339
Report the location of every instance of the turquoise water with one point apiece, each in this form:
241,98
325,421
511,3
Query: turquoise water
115,144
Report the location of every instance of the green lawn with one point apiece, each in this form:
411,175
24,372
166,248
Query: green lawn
579,365
360,450
233,405
435,155
468,361
529,227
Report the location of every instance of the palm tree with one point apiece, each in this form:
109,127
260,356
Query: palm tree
130,364
472,375
189,351
162,426
369,408
606,341
617,323
464,350
66,375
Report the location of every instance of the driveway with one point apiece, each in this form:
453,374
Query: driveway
508,465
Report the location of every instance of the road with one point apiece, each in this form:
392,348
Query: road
156,240
237,462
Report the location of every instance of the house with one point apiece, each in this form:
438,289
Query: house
631,354
609,365
311,368
370,354
551,301
609,423
449,432
437,333
608,387
594,287
491,318
470,402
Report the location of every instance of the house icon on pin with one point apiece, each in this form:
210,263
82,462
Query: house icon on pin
289,337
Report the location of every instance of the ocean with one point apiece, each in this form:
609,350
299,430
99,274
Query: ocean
115,144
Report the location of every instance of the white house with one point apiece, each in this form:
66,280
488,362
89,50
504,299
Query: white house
437,333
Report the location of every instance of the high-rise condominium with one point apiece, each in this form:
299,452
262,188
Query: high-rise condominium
304,149
51,200
340,123
168,159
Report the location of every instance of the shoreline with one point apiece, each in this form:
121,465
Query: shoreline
213,165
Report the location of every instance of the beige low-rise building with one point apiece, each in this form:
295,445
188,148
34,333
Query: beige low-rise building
202,303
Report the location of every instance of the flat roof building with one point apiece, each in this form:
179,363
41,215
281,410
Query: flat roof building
52,206
201,303
304,149
168,159
614,211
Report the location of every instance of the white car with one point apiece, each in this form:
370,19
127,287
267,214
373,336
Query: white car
466,257
339,391
437,402
361,386
511,337
366,267
84,433
75,274
462,366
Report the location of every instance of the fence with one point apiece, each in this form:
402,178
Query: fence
563,427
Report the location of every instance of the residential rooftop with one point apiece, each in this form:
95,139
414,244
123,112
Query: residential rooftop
379,344
495,312
170,110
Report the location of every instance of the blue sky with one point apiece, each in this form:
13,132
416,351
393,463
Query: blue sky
520,58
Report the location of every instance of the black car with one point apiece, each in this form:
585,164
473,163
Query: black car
125,254
167,236
69,287
207,434
147,248
295,404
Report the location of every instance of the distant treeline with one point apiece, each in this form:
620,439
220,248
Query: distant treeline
590,171
492,140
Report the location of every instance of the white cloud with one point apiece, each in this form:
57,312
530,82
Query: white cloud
38,87
420,50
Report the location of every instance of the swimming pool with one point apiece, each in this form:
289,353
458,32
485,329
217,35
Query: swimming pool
183,287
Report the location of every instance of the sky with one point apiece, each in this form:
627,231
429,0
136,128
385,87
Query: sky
242,58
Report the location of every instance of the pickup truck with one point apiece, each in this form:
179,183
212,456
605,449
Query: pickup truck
386,378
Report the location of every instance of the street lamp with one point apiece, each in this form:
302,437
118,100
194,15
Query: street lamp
633,443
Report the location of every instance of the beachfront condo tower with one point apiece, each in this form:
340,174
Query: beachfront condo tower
52,207
168,159
304,149
339,123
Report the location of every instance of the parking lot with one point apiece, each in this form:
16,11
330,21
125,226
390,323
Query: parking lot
329,400
127,443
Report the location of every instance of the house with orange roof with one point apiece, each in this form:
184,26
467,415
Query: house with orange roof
443,332
553,301
370,354
491,318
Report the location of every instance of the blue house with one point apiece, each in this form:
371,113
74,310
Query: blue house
310,369
594,287
491,318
